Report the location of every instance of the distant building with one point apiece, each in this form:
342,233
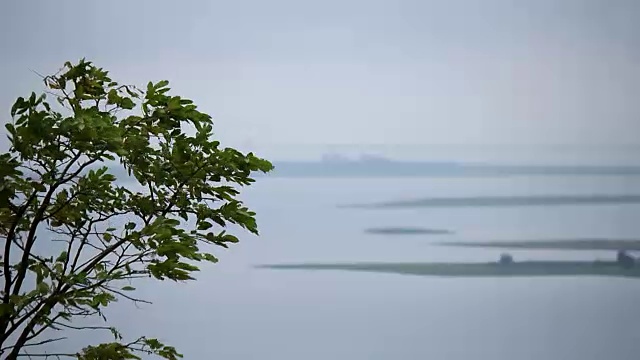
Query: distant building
625,260
506,259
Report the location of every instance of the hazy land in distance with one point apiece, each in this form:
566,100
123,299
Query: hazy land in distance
466,270
504,201
566,244
393,168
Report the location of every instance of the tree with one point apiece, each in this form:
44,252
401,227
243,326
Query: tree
74,237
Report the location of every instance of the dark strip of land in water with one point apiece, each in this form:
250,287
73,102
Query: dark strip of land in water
570,244
517,269
388,168
505,201
407,231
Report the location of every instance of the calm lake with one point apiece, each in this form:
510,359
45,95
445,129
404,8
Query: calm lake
235,311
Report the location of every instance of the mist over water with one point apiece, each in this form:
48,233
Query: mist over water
290,314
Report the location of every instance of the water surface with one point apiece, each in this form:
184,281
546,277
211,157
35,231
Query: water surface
235,311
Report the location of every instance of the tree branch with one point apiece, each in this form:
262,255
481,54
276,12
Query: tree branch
22,271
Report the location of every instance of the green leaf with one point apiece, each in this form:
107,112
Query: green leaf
19,104
127,104
204,225
128,288
62,257
42,287
112,97
5,309
11,129
161,84
210,258
230,238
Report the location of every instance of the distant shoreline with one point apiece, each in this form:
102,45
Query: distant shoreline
566,244
476,270
503,201
390,168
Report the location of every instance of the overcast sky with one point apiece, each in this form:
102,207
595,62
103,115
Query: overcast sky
361,71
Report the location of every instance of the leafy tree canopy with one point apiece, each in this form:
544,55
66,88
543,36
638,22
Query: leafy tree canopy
74,237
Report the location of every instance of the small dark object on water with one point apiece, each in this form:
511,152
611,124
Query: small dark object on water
625,260
506,259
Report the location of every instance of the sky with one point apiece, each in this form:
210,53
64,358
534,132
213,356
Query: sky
288,72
